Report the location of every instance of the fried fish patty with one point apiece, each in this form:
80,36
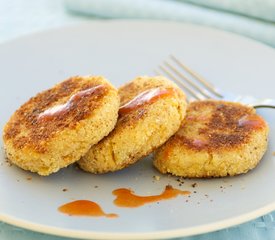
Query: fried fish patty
217,139
58,126
152,110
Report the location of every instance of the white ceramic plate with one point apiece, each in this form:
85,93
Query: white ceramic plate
122,50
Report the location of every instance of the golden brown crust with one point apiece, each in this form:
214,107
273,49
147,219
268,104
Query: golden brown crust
221,128
26,118
58,126
130,90
141,130
139,85
217,139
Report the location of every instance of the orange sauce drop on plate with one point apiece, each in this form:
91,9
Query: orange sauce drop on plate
126,198
84,208
148,96
62,109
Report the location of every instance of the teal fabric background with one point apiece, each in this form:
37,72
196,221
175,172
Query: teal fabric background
182,11
261,9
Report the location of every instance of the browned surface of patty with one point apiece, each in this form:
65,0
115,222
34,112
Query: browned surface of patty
217,138
26,117
142,129
221,128
58,126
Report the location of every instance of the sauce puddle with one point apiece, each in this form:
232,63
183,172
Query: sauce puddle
84,208
126,197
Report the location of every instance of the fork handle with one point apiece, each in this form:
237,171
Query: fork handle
265,103
264,106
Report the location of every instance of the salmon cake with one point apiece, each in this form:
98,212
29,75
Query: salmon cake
217,139
59,125
152,110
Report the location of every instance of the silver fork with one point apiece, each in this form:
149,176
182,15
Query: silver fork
200,89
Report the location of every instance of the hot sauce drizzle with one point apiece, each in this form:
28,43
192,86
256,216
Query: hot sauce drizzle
126,198
62,109
252,121
84,208
148,96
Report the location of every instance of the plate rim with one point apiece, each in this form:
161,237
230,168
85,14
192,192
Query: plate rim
180,232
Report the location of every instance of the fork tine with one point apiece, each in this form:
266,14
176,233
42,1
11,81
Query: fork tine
209,86
187,79
159,74
190,90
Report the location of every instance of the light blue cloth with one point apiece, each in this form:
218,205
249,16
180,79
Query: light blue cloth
262,9
182,11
